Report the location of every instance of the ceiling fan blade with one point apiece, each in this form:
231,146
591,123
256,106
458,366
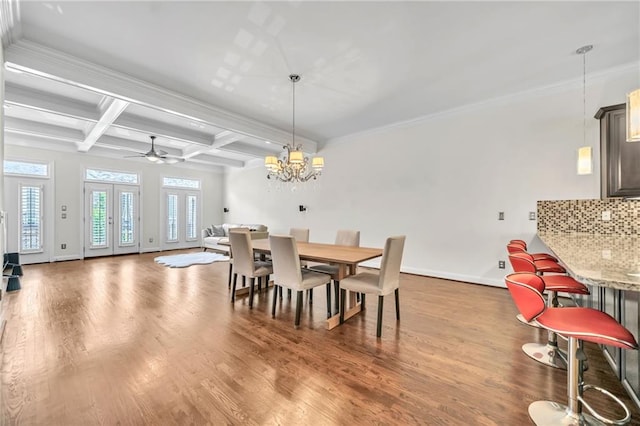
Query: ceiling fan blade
137,155
161,152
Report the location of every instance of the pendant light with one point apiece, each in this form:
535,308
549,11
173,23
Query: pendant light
585,161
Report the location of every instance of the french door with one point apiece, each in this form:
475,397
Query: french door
112,219
29,230
181,224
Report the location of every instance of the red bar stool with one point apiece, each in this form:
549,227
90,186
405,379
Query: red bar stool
536,256
546,353
577,324
543,264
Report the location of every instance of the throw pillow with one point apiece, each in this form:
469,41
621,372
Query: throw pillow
218,231
209,232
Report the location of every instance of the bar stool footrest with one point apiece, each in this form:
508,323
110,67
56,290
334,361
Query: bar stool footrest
626,419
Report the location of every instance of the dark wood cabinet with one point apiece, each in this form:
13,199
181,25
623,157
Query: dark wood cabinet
619,159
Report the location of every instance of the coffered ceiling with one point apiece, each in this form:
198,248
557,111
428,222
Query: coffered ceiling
210,78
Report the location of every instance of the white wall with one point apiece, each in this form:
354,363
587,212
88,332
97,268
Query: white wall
68,179
442,180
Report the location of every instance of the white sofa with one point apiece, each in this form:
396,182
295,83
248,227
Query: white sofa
212,236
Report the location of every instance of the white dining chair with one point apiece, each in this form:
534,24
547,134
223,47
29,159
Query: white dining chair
384,282
301,235
245,264
288,273
344,237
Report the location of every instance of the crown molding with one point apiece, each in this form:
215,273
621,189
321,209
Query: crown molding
39,60
10,29
537,92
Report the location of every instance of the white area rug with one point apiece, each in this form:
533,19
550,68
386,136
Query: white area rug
188,259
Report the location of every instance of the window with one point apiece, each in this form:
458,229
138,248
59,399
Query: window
172,217
110,176
192,217
181,183
25,168
30,218
127,222
99,219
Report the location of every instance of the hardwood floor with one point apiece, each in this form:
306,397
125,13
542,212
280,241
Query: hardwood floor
126,341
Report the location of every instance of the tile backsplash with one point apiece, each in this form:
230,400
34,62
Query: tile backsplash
587,216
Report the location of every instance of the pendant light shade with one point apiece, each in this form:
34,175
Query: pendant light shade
633,116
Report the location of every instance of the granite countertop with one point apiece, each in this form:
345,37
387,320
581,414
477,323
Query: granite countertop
598,259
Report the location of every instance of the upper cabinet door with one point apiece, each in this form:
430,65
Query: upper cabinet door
620,160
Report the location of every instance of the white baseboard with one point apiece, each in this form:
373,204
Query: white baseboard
456,277
66,257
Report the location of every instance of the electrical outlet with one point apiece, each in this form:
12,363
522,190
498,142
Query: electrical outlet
151,239
63,246
501,264
532,215
606,215
500,215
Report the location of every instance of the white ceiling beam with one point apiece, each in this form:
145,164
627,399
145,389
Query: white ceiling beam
157,128
111,108
35,99
212,159
42,130
225,138
241,148
48,63
128,145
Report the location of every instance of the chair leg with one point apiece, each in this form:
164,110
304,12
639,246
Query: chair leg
343,296
379,326
13,282
233,289
230,274
310,296
252,282
280,292
298,307
289,293
363,298
397,305
336,287
275,297
259,284
328,286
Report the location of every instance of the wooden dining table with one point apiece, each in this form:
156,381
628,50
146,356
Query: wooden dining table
345,257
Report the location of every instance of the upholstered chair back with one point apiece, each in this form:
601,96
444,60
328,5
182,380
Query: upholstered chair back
390,264
346,237
286,263
242,250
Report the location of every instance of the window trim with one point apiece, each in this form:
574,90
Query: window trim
19,160
190,188
138,181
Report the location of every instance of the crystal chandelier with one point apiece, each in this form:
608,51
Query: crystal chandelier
293,166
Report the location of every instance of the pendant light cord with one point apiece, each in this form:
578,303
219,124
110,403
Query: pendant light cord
293,140
584,98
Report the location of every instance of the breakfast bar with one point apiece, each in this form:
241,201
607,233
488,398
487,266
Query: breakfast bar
598,243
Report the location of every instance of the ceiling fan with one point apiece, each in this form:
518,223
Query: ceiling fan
157,156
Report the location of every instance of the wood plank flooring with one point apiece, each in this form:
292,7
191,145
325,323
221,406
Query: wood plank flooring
126,341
